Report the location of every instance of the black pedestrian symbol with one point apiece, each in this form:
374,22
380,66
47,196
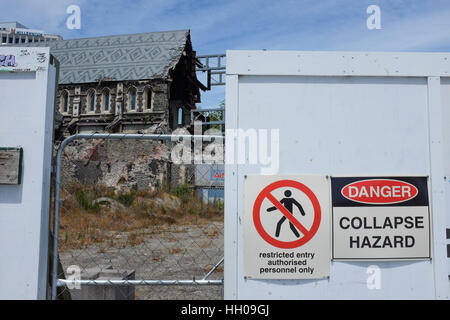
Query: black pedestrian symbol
288,203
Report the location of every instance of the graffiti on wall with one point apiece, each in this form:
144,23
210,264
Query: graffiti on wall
7,60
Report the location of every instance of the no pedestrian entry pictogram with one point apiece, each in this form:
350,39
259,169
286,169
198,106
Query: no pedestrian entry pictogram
266,193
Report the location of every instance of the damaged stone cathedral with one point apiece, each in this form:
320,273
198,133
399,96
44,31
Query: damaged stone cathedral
135,83
139,83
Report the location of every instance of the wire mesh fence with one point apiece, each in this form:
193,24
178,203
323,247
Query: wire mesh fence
132,221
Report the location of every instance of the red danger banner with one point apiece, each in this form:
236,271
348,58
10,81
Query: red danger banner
387,191
379,191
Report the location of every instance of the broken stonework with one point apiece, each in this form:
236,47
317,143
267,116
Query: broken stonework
123,165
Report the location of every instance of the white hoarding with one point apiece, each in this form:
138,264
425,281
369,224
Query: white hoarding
27,107
342,114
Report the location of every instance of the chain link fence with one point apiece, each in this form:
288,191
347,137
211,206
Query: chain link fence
137,216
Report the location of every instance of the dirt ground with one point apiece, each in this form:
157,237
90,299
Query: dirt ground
166,252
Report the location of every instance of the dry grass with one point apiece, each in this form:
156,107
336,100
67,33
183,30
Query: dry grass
219,269
176,250
211,233
204,244
129,218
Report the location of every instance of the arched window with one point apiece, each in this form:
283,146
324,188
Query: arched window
105,98
147,98
132,99
91,101
64,102
180,116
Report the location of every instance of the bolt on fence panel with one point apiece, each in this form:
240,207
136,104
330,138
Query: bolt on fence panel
132,221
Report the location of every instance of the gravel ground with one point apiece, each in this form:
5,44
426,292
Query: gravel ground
175,252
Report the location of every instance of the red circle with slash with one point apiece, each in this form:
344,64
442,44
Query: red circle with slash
307,234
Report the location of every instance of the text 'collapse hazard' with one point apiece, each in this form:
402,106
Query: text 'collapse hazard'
380,218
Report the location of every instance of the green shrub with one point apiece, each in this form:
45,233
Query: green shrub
126,198
219,204
183,191
85,198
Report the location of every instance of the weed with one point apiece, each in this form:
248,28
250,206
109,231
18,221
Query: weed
85,199
126,198
182,191
176,250
85,223
135,239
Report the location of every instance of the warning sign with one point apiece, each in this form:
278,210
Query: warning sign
384,218
287,228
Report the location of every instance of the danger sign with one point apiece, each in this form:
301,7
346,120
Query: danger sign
379,191
380,218
286,227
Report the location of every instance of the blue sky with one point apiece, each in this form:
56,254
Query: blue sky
406,25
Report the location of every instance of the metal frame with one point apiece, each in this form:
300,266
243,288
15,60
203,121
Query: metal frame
437,186
216,73
63,282
105,136
317,63
231,191
221,123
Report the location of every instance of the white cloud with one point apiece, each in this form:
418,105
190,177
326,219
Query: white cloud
426,32
251,24
345,29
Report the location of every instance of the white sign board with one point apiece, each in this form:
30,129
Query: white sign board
28,32
286,227
383,218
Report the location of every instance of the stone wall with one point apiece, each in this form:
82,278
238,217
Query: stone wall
123,165
126,107
151,96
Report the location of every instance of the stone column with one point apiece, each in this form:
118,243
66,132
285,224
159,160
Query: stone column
119,97
77,102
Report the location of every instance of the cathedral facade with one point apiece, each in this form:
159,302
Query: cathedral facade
139,83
